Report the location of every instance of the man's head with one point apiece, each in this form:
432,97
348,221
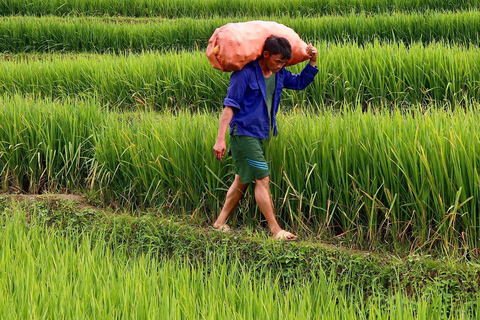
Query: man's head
276,52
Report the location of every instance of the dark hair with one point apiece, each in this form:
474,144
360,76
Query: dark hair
278,45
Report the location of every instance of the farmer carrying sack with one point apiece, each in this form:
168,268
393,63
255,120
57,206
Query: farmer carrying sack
234,45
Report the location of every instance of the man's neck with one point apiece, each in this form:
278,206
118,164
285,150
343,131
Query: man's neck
266,73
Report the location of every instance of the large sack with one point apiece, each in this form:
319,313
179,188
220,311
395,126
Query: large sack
234,45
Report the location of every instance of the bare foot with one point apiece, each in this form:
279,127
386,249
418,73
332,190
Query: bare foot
284,235
225,228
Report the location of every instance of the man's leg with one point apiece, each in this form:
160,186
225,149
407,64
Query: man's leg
234,194
264,201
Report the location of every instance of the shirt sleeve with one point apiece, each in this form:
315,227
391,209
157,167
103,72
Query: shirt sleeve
300,81
236,89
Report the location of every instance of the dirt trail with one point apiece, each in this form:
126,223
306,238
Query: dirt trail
80,200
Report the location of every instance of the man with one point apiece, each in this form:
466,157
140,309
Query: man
250,107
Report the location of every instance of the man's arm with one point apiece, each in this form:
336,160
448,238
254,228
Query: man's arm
220,147
303,79
235,93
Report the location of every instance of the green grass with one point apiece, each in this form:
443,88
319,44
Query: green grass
370,74
51,273
202,8
406,178
100,35
372,177
49,144
379,153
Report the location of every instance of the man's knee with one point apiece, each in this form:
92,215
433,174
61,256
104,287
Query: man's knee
239,182
239,185
263,182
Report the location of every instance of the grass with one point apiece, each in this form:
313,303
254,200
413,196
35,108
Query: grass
48,145
202,9
402,177
370,74
119,35
379,153
73,273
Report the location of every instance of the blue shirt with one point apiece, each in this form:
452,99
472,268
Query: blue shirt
247,96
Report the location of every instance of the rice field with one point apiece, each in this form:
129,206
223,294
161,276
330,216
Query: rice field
136,35
371,176
116,101
202,9
374,73
49,275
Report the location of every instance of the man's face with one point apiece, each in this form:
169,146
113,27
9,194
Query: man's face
274,62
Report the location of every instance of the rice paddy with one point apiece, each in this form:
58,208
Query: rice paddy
127,35
374,73
116,101
202,9
46,274
360,173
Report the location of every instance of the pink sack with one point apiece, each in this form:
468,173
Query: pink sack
234,45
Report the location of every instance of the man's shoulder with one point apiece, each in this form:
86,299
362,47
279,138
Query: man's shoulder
247,72
251,65
247,69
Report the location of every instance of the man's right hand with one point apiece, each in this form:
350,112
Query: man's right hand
219,149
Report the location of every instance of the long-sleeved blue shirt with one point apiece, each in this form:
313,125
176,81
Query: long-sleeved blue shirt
246,94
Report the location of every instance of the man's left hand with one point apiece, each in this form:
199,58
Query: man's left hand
312,52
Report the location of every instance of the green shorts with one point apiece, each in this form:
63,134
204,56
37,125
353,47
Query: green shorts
249,158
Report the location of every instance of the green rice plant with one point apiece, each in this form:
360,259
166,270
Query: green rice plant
101,35
202,8
163,234
45,145
47,274
404,175
370,74
130,79
142,159
401,176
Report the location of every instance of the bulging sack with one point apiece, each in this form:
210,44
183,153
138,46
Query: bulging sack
234,45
